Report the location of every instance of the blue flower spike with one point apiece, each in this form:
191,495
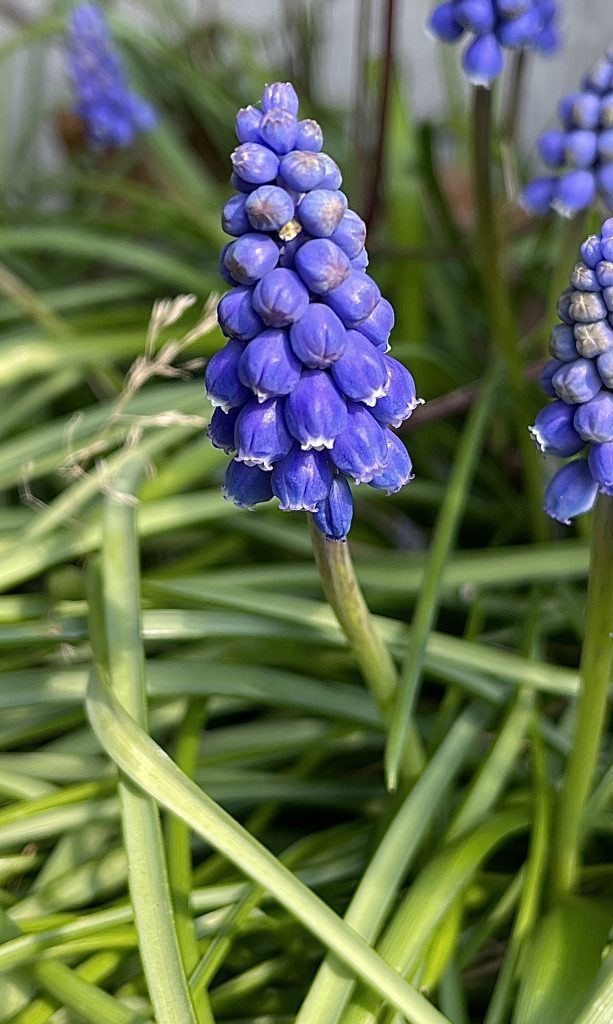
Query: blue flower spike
305,396
579,378
580,152
492,26
111,113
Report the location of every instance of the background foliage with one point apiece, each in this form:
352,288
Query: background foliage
250,686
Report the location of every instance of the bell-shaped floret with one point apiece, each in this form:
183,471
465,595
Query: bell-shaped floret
398,468
315,411
302,480
246,486
571,492
221,379
553,431
334,514
261,435
354,299
594,419
221,429
318,338
268,366
400,398
280,298
361,450
236,315
321,265
361,373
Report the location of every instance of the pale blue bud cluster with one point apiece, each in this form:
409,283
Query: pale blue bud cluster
580,152
579,378
304,390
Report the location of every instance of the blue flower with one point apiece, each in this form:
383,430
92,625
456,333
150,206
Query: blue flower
246,486
397,469
580,377
316,410
571,492
360,451
255,163
360,373
318,338
221,377
301,480
322,265
493,26
333,515
261,435
303,390
268,208
321,212
355,298
250,257
268,365
581,150
111,112
221,429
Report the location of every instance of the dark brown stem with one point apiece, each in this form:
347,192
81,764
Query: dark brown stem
514,96
388,60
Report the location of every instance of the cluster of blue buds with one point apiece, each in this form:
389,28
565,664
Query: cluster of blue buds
111,112
495,25
304,390
581,151
580,379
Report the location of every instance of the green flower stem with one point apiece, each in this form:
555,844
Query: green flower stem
343,593
502,323
430,595
147,875
595,673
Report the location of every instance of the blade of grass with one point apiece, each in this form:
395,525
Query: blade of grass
443,539
179,857
443,879
142,834
375,895
148,766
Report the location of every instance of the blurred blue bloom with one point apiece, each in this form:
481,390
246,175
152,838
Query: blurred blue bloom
303,390
581,150
580,379
493,26
111,112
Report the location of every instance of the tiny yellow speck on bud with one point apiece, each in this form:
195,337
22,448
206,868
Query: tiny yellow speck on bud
290,230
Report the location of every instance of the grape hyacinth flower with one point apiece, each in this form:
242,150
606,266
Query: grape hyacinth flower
580,380
492,27
579,153
304,391
111,112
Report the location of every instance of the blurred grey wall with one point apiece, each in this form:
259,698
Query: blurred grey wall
587,28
